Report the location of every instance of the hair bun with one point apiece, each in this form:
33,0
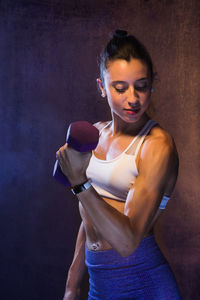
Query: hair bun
120,33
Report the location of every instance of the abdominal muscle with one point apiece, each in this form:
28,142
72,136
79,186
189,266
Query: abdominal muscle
94,240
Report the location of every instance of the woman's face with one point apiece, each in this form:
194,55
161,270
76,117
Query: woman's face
128,89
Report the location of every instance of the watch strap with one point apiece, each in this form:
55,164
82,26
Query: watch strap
80,188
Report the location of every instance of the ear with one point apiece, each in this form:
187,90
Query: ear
101,87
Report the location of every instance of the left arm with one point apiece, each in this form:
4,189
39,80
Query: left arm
124,232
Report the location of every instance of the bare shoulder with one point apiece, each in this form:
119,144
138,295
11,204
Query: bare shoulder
158,160
159,142
159,136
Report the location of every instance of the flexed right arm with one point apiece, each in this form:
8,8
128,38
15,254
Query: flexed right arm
77,268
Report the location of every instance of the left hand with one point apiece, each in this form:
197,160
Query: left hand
73,164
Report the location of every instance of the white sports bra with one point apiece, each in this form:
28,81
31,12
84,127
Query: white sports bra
114,178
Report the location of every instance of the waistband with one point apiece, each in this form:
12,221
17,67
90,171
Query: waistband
147,252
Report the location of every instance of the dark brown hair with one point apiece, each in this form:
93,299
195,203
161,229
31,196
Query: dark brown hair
125,46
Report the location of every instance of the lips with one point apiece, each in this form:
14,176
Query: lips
132,110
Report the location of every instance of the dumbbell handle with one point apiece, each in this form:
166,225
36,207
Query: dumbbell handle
81,136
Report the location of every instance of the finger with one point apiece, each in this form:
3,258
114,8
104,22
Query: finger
57,154
65,146
59,157
61,150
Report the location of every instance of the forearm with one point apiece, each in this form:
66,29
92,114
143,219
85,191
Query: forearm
114,226
75,276
72,294
77,268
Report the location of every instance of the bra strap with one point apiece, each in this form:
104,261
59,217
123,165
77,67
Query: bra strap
151,124
100,132
138,135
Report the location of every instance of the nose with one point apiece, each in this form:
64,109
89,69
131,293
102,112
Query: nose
133,97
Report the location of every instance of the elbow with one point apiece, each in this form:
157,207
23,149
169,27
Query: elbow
127,248
126,251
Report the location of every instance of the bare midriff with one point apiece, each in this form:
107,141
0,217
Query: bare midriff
94,240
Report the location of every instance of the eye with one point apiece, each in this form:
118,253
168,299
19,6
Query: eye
120,91
142,87
121,88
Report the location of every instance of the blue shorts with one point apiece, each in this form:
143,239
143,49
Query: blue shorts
145,274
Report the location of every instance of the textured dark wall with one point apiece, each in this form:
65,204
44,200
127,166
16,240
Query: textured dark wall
48,52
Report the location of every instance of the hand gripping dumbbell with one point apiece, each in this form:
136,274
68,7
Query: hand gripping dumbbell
82,136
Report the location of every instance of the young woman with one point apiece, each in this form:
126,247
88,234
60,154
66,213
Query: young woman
123,186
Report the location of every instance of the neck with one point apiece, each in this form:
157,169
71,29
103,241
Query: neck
119,126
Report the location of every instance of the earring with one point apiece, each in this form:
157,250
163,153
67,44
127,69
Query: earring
103,95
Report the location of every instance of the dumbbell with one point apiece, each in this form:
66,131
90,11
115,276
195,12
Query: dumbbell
82,136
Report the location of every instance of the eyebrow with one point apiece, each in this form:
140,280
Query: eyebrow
145,78
118,82
122,82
